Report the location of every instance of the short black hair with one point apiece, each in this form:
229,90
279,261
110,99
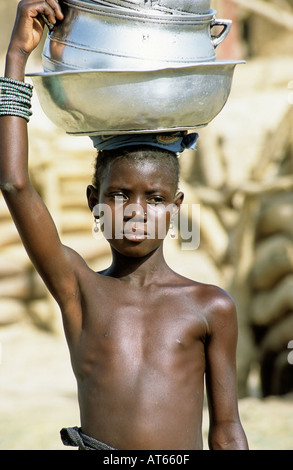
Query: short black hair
136,153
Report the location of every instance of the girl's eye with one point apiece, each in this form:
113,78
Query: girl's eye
119,197
155,200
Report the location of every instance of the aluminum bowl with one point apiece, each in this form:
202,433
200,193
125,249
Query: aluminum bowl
118,102
93,36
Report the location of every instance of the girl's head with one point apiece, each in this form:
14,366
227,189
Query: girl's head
135,194
161,148
164,159
135,188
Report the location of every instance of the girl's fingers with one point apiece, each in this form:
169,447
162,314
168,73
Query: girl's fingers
29,24
46,21
50,10
54,4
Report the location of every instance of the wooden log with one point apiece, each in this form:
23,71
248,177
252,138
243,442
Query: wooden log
87,246
269,306
4,212
215,198
75,221
25,286
263,188
196,265
42,314
276,144
9,234
213,236
269,11
8,267
212,166
12,311
38,290
16,287
273,261
240,288
15,254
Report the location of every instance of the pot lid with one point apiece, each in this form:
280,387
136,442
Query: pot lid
167,6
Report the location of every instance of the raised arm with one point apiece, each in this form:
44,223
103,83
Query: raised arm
55,263
225,432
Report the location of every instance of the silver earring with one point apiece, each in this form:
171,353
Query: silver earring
171,230
96,228
97,225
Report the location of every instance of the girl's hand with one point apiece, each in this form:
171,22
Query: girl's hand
29,24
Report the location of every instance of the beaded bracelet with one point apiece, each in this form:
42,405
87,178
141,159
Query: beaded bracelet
15,98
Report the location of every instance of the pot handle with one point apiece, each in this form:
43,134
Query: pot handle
47,22
216,40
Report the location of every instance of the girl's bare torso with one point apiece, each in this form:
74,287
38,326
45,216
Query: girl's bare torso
139,362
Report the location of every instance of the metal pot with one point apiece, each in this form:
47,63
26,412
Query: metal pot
166,6
113,102
190,6
99,37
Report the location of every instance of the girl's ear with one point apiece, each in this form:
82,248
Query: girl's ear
178,200
92,197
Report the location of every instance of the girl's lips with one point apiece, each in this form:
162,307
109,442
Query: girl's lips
135,232
135,237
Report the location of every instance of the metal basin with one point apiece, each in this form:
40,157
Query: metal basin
118,102
99,37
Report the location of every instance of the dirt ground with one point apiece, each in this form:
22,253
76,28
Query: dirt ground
38,397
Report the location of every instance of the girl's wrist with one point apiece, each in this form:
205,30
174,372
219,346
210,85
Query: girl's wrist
15,98
15,64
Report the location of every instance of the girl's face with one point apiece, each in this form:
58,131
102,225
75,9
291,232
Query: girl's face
136,203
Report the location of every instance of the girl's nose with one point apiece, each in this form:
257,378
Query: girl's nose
135,211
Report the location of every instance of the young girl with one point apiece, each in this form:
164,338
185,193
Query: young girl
141,337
